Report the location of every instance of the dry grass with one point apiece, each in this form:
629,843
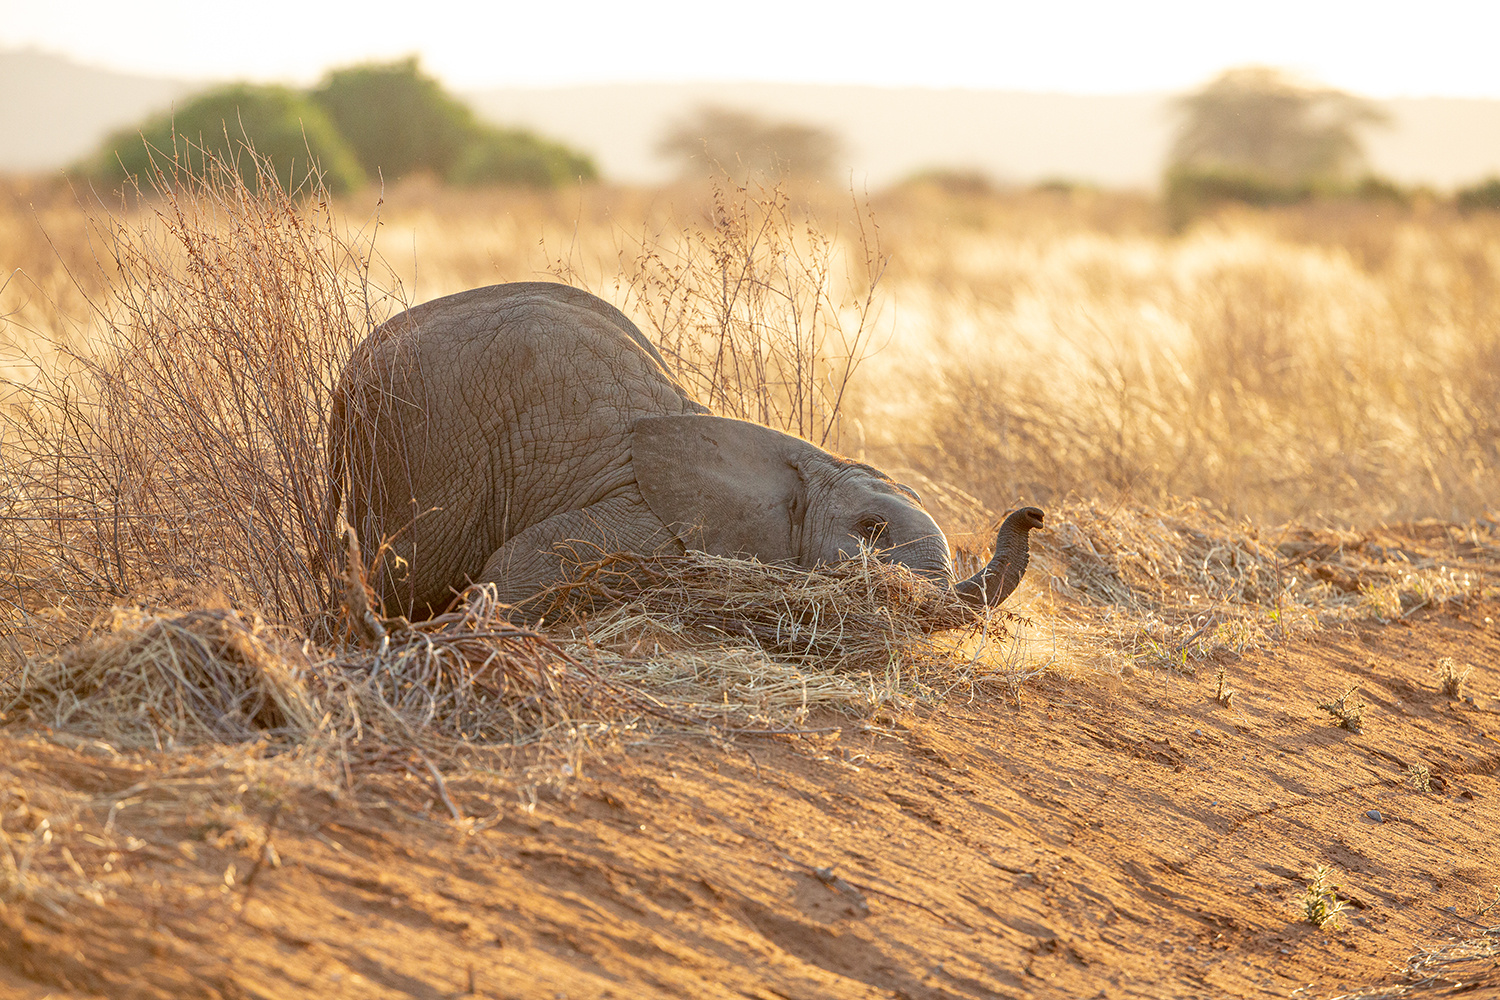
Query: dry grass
762,312
1173,586
1275,368
1348,716
1450,678
172,364
213,675
745,643
1321,906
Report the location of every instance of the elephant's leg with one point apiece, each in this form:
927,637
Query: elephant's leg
535,559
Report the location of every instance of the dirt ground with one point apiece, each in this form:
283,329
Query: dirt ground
1130,838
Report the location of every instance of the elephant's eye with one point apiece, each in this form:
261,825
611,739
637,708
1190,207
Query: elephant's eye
871,528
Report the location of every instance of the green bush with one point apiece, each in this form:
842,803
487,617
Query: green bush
1481,197
280,124
382,120
515,156
397,119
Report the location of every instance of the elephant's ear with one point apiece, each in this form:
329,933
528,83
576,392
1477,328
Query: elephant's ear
728,487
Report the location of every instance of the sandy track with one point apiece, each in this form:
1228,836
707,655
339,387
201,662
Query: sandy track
1128,839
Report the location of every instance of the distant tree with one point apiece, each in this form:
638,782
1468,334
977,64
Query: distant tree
282,126
743,143
1258,122
515,156
396,118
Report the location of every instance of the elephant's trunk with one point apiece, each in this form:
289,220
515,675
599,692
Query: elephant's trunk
995,582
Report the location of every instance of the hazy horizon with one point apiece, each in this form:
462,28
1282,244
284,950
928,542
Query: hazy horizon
57,110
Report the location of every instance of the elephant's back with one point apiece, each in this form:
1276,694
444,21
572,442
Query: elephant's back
523,325
494,409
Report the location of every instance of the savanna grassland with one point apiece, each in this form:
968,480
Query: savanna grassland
1232,736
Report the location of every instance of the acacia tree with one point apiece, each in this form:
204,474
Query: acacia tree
1260,122
742,143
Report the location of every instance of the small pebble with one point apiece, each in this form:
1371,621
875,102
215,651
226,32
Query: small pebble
1197,732
1375,815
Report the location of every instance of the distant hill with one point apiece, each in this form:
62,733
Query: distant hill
53,111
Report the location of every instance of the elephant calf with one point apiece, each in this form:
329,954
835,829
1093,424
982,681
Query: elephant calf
479,434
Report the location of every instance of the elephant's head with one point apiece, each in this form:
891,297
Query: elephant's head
730,487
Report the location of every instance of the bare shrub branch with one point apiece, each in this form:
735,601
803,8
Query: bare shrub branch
762,313
181,447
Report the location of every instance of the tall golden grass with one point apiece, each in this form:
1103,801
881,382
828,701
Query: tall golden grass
1334,361
1325,362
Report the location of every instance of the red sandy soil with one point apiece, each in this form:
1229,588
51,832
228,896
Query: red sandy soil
1099,838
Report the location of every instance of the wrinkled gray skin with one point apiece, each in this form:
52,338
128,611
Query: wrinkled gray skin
486,434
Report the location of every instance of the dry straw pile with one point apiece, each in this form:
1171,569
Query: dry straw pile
214,675
747,643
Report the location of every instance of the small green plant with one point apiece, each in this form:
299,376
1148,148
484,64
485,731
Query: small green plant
1321,905
1350,717
1225,694
1450,678
1419,777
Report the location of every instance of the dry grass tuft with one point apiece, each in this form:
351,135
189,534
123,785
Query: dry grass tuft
170,441
471,675
1450,678
848,616
216,675
1321,905
206,675
1350,717
1225,694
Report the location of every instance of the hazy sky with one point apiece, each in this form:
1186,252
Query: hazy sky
1438,47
